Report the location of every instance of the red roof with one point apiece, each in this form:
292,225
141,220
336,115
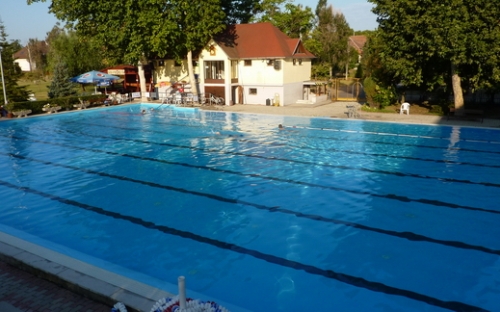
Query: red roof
24,54
357,42
260,40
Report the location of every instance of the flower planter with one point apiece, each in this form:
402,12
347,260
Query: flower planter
52,109
22,113
81,105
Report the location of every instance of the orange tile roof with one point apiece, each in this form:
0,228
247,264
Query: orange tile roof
260,40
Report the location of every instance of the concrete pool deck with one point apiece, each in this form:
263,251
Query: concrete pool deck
338,110
33,278
93,289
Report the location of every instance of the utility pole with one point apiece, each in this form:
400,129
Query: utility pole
3,80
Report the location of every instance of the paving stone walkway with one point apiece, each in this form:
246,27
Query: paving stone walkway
23,291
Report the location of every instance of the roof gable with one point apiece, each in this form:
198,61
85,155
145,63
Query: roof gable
260,40
24,53
358,42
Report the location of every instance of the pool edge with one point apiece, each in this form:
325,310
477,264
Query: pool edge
80,277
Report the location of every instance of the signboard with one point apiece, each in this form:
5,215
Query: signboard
116,72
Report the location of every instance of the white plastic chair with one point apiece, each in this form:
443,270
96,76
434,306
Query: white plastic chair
405,107
178,99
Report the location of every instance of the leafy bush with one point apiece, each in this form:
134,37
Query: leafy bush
436,109
376,95
65,103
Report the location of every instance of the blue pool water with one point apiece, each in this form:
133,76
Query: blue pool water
325,215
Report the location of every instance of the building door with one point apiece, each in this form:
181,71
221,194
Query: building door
216,91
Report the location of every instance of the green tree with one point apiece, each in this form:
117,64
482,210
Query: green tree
294,20
11,71
436,43
329,39
239,11
60,85
37,53
138,30
79,54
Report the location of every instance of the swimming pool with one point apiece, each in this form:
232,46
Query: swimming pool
323,215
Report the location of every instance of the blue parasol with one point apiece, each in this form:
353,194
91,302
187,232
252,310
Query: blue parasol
95,77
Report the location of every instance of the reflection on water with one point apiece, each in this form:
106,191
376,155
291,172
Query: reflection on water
451,152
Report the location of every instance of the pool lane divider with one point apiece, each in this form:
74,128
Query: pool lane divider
447,139
405,235
211,150
341,277
334,188
326,138
274,144
409,135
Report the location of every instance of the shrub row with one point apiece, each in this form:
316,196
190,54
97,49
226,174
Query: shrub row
66,103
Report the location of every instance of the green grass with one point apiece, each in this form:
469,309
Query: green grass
37,87
40,88
367,108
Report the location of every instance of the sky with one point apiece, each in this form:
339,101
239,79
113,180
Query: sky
23,21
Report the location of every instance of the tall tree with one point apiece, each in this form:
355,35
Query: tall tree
137,30
11,71
428,41
78,54
329,39
37,54
60,85
295,21
239,11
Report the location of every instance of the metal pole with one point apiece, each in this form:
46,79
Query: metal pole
181,282
3,80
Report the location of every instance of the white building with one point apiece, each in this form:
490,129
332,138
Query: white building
247,64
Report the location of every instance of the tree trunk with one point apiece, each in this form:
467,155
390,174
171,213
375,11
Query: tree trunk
192,80
457,91
142,81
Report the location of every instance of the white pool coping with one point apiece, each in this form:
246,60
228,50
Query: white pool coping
94,282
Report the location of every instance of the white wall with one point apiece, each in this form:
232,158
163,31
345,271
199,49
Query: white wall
293,92
24,64
170,73
260,73
301,71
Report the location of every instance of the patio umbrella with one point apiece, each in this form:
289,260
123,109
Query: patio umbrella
95,77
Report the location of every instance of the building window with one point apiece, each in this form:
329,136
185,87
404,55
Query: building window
252,91
214,70
294,61
300,61
248,62
234,69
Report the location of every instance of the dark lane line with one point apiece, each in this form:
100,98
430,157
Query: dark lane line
444,138
274,144
386,196
404,235
218,151
328,138
341,277
352,152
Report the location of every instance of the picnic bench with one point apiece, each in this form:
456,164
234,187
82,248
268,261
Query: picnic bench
467,114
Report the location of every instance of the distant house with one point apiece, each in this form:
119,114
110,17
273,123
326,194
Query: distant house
247,64
358,43
24,57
